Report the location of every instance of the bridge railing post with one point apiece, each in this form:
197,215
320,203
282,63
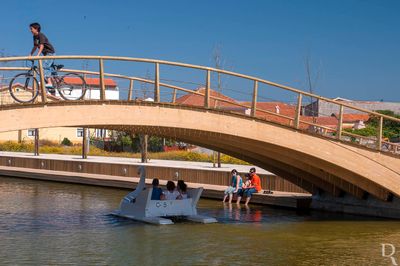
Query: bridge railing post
130,90
207,90
340,124
42,82
298,111
84,143
380,134
36,150
254,101
102,83
157,83
174,96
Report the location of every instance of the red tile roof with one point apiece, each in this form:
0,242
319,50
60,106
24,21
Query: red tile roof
352,118
322,121
91,81
284,109
327,121
198,100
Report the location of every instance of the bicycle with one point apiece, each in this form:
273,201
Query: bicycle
24,87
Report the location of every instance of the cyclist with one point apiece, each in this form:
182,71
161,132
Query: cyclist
45,48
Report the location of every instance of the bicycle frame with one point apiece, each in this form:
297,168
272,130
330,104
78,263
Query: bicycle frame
54,77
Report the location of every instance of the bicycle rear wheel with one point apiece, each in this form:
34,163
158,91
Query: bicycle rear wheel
24,88
72,87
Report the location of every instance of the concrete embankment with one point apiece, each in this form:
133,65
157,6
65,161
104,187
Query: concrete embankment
121,173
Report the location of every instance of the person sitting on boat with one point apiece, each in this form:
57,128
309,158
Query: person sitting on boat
182,189
157,191
171,193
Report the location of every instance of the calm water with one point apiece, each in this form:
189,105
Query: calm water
45,223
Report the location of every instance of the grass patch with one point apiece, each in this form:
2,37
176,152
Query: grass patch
47,147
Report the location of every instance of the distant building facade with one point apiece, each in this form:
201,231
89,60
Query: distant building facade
323,108
59,133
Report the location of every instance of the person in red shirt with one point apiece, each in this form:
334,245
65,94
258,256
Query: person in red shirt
255,186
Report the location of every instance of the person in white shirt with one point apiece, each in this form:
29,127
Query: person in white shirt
171,193
182,189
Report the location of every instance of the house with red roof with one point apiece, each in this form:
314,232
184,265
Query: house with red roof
195,99
58,134
93,84
277,112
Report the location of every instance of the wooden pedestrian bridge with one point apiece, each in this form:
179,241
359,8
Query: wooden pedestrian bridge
320,159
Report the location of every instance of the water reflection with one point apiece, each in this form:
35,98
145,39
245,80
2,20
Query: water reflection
240,213
45,223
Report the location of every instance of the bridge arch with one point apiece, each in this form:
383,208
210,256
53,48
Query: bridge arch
312,163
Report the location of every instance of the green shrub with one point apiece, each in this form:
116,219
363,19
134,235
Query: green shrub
66,142
94,151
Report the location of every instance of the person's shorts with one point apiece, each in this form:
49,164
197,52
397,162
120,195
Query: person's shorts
239,193
250,192
229,190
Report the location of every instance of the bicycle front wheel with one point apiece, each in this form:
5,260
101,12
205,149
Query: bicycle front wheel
72,87
24,88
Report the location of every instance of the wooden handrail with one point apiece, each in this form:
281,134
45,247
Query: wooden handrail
144,60
207,93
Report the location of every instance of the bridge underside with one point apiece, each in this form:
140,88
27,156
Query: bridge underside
315,164
293,167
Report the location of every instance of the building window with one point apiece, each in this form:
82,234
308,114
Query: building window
101,133
79,132
31,132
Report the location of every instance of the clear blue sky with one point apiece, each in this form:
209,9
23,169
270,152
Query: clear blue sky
353,45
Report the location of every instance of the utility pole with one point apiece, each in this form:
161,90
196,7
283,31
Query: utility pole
218,65
311,84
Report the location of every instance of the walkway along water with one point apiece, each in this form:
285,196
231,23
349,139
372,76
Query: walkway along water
122,173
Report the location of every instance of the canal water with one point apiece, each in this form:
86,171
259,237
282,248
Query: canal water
48,223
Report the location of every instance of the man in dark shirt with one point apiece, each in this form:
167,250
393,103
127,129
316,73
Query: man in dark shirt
44,47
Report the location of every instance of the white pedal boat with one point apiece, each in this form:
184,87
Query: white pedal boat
138,205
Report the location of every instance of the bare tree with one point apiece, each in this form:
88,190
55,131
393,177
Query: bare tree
218,61
144,138
145,86
219,64
312,80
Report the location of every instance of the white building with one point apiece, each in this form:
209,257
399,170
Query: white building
58,134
